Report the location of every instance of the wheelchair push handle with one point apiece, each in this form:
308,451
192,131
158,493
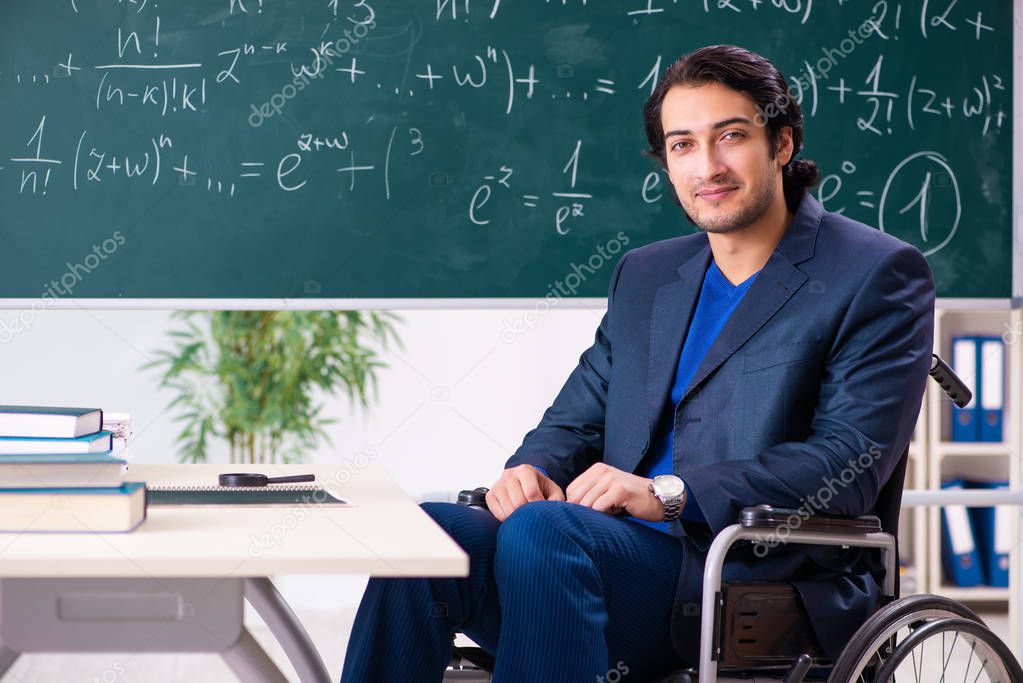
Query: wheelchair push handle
474,498
949,381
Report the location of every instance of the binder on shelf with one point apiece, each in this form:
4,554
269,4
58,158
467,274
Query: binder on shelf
993,528
960,558
992,390
965,422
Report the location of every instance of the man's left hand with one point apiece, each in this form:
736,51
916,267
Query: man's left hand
608,489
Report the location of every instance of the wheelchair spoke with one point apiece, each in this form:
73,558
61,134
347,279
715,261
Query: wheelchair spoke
982,664
943,660
944,666
969,662
922,660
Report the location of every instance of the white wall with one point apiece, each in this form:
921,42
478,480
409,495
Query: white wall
453,404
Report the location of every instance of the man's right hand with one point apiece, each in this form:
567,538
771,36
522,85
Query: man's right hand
517,486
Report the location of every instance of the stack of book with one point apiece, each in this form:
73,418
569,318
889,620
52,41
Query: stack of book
57,473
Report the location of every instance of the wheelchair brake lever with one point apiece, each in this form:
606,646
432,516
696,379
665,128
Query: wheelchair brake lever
797,672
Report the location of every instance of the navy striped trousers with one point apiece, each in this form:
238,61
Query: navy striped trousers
558,593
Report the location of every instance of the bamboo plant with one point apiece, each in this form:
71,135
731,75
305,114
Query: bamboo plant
255,378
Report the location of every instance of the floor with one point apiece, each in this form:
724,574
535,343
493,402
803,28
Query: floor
328,630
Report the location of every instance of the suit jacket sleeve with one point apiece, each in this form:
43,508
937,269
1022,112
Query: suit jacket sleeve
868,404
570,436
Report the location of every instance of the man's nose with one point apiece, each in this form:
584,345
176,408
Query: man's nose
710,165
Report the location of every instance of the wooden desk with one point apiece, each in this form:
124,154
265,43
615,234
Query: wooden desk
177,583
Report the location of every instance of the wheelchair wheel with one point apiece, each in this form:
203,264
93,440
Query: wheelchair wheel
874,643
985,652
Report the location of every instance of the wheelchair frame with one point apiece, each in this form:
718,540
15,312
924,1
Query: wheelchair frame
811,532
757,524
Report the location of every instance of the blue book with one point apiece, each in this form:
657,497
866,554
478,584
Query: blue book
960,558
49,421
100,442
80,510
47,470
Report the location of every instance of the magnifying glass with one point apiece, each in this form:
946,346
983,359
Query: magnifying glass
252,479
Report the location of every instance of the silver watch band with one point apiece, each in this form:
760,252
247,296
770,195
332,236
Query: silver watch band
673,508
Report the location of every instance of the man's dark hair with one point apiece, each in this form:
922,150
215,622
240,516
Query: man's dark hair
757,78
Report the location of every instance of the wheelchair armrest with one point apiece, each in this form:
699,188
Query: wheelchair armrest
768,517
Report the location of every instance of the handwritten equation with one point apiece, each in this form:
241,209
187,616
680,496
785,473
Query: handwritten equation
506,112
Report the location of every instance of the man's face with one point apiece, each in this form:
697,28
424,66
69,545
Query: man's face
717,158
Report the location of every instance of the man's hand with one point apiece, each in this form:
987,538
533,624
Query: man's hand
518,486
607,489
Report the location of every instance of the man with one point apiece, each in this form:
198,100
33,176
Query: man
779,355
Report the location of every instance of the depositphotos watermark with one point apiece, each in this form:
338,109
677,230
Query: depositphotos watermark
824,65
819,502
275,535
1012,332
110,674
615,673
63,286
560,289
324,57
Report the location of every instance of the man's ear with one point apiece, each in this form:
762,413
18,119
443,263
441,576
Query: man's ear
784,152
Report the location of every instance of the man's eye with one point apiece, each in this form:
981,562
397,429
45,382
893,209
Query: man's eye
736,133
677,145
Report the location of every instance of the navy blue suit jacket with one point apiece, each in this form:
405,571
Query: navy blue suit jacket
824,360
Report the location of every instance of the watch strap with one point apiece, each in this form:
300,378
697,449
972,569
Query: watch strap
673,508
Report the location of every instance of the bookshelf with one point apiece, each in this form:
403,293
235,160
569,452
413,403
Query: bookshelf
934,457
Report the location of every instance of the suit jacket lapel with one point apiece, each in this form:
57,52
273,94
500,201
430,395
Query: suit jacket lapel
669,319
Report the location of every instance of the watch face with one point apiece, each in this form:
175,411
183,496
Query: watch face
668,485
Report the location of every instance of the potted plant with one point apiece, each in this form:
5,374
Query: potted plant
249,377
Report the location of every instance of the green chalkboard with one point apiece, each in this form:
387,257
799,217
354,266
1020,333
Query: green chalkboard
455,148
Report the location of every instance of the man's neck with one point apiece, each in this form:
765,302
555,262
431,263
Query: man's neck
741,253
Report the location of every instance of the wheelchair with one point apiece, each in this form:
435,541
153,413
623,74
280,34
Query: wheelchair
759,632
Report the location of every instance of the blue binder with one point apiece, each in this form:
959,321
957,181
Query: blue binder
992,390
965,421
960,558
993,532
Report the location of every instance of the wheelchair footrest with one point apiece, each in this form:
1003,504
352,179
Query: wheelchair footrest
763,626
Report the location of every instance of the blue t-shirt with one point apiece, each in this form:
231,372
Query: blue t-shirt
718,299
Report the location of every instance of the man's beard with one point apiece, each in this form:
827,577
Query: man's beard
741,218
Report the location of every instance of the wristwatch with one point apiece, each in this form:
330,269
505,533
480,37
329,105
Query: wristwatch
671,491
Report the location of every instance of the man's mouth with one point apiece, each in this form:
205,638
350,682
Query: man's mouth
716,194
